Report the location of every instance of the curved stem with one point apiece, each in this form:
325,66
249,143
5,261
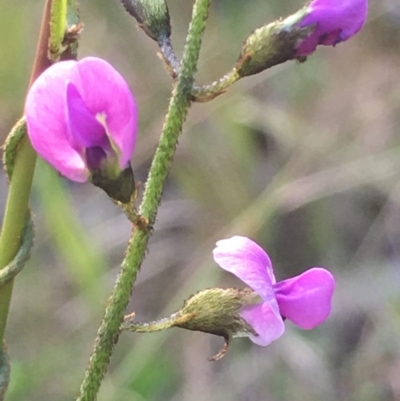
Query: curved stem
149,327
20,186
206,93
200,93
179,105
175,319
172,63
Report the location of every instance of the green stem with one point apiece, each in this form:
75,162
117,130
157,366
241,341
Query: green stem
172,63
20,186
205,93
200,93
149,327
179,105
157,325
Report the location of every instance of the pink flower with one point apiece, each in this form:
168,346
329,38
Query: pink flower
82,117
304,299
335,21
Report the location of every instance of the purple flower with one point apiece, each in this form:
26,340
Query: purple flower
82,117
335,21
304,299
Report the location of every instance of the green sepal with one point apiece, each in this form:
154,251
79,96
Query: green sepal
120,188
272,44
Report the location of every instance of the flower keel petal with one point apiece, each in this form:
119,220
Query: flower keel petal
265,322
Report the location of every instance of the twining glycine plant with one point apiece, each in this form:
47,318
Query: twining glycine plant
81,117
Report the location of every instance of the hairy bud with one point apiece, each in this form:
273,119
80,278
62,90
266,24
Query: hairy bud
151,15
271,45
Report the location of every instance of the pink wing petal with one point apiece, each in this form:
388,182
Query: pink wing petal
247,261
336,20
106,92
306,299
266,323
47,125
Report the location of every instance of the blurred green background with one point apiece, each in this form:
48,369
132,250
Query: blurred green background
304,158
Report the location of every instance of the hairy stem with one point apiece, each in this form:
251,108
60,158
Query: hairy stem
208,92
21,182
175,319
179,105
172,63
200,93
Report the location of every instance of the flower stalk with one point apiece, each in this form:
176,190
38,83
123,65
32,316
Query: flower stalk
176,319
209,92
178,108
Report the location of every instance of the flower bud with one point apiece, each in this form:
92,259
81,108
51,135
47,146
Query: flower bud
151,15
321,22
271,45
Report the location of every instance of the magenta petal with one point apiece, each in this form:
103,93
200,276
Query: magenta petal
335,20
47,125
84,130
306,299
265,322
247,261
107,94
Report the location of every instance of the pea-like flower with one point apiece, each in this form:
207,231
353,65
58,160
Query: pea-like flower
82,118
335,22
305,299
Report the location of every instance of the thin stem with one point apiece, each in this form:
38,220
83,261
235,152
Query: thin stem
200,93
205,93
175,319
178,108
109,329
149,327
172,63
21,182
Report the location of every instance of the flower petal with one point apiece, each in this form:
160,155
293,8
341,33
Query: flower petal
335,20
47,125
84,130
266,323
107,94
247,261
306,299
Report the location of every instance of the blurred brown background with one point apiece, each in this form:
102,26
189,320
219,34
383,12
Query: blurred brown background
303,158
